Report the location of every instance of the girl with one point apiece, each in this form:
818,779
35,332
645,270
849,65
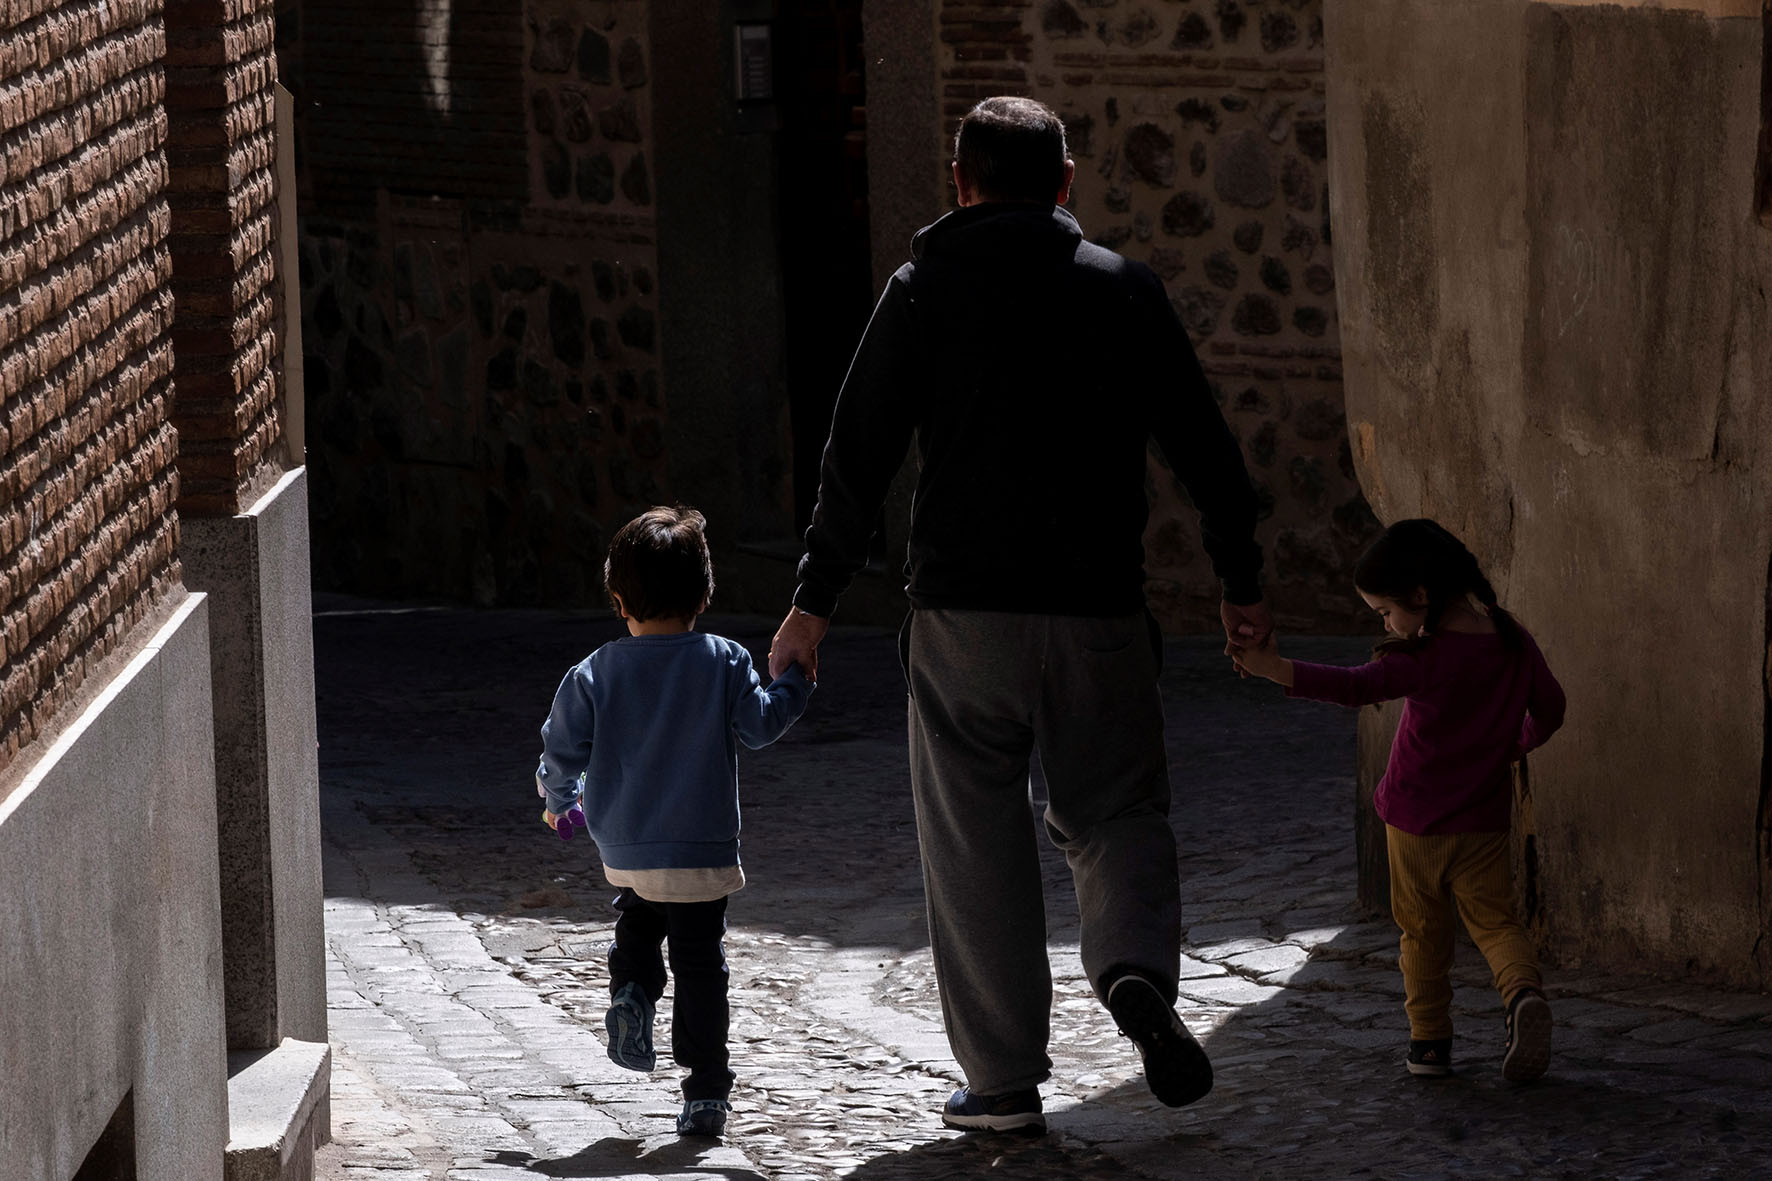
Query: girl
1478,695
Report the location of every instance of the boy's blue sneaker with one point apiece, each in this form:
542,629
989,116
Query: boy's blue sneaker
1018,1111
703,1117
629,1023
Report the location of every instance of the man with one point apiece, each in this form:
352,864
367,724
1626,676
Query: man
1031,368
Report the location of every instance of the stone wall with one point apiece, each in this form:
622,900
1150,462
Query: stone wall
87,528
113,966
485,307
480,318
1553,265
1199,134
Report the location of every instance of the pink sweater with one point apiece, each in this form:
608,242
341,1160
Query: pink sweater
1472,707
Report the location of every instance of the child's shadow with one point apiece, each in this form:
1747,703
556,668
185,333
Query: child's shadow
617,1156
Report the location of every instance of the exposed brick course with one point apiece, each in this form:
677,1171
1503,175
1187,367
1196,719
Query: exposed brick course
221,72
87,478
427,89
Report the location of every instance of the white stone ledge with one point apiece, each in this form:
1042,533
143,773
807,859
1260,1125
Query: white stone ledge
272,1098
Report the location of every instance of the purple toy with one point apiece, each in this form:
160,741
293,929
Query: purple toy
574,818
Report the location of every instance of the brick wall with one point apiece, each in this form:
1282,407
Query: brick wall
1198,131
221,73
87,527
479,327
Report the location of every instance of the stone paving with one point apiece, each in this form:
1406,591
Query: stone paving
467,984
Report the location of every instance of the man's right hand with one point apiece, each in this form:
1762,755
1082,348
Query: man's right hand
796,642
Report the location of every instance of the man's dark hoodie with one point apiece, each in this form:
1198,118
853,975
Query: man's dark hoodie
1031,368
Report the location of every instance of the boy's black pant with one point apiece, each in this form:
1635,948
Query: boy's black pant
699,1015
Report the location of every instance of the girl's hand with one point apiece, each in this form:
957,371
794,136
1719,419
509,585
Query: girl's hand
1248,659
549,819
1263,660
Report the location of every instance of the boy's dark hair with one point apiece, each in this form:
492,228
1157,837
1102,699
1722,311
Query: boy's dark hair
1422,553
1011,150
659,564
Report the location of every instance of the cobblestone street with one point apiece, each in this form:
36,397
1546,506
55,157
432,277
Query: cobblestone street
467,982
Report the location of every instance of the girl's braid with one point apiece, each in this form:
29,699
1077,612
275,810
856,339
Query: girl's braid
1472,579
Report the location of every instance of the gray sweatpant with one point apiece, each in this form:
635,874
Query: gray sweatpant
987,689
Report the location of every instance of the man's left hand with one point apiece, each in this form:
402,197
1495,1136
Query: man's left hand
1247,626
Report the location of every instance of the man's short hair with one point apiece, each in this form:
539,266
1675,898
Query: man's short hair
659,564
1011,149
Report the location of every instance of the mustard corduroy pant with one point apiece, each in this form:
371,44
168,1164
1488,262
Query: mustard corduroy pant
1430,877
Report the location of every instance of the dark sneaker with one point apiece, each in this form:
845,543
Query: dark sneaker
703,1117
1430,1059
1528,1037
1175,1066
629,1023
1018,1111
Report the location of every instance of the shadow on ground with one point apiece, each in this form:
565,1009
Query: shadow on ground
615,1156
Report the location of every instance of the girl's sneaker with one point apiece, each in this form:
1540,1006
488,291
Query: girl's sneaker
703,1117
1528,1037
629,1024
1430,1059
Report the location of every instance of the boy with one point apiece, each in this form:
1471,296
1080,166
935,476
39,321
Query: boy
641,734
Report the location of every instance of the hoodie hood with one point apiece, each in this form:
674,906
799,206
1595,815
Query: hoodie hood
994,231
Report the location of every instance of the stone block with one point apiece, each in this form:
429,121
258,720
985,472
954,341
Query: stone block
1244,170
255,567
593,57
1149,154
1276,958
110,915
277,1111
1187,215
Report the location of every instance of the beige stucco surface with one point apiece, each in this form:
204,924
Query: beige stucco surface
1710,8
1551,294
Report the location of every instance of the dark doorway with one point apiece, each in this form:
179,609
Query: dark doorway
827,279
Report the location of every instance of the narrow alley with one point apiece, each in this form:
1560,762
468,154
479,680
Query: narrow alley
467,984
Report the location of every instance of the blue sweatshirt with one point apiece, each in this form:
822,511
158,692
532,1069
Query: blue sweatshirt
650,722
